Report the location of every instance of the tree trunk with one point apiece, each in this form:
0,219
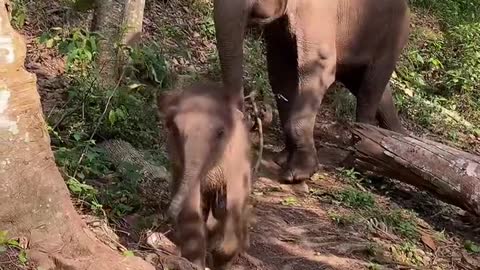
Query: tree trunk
450,174
118,21
107,18
35,201
133,21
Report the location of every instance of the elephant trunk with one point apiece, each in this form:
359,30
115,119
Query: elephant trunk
230,17
197,161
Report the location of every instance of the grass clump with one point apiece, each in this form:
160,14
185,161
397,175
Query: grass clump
343,219
354,198
400,222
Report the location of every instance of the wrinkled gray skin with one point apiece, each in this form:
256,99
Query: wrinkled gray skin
310,44
208,146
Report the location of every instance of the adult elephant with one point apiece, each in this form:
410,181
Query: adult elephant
310,44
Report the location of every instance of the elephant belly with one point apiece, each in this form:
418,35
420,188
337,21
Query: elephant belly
368,30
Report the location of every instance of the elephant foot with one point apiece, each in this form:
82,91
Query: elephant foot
301,166
281,158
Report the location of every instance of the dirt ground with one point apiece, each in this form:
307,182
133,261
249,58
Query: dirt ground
296,226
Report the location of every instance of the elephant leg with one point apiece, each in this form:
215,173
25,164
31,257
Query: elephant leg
387,114
191,229
233,229
372,90
282,73
300,70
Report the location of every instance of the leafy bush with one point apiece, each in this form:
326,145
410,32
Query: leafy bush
94,112
19,13
78,45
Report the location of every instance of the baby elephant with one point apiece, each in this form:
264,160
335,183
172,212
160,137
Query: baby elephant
209,150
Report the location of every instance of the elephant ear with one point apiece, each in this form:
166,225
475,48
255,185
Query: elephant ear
167,101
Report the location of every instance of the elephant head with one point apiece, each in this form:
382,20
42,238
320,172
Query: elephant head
231,18
199,122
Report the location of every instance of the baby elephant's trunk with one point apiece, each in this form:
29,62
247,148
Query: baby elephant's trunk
179,198
196,160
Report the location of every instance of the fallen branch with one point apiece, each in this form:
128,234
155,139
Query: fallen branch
448,173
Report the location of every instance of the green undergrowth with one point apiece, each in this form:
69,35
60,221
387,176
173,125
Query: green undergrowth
365,211
94,112
360,210
12,250
18,13
437,81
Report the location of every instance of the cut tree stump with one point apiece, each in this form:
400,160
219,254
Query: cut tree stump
448,173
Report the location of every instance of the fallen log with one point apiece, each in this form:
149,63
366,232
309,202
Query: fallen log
153,181
451,175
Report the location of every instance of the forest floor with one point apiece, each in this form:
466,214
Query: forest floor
338,219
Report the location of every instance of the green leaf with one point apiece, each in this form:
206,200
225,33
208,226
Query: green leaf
472,247
290,201
135,86
128,253
3,237
91,155
2,249
120,113
77,136
74,186
50,43
22,257
112,117
13,243
93,43
44,37
20,19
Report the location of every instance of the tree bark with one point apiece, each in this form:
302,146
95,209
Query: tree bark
107,19
118,21
133,21
448,173
34,198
